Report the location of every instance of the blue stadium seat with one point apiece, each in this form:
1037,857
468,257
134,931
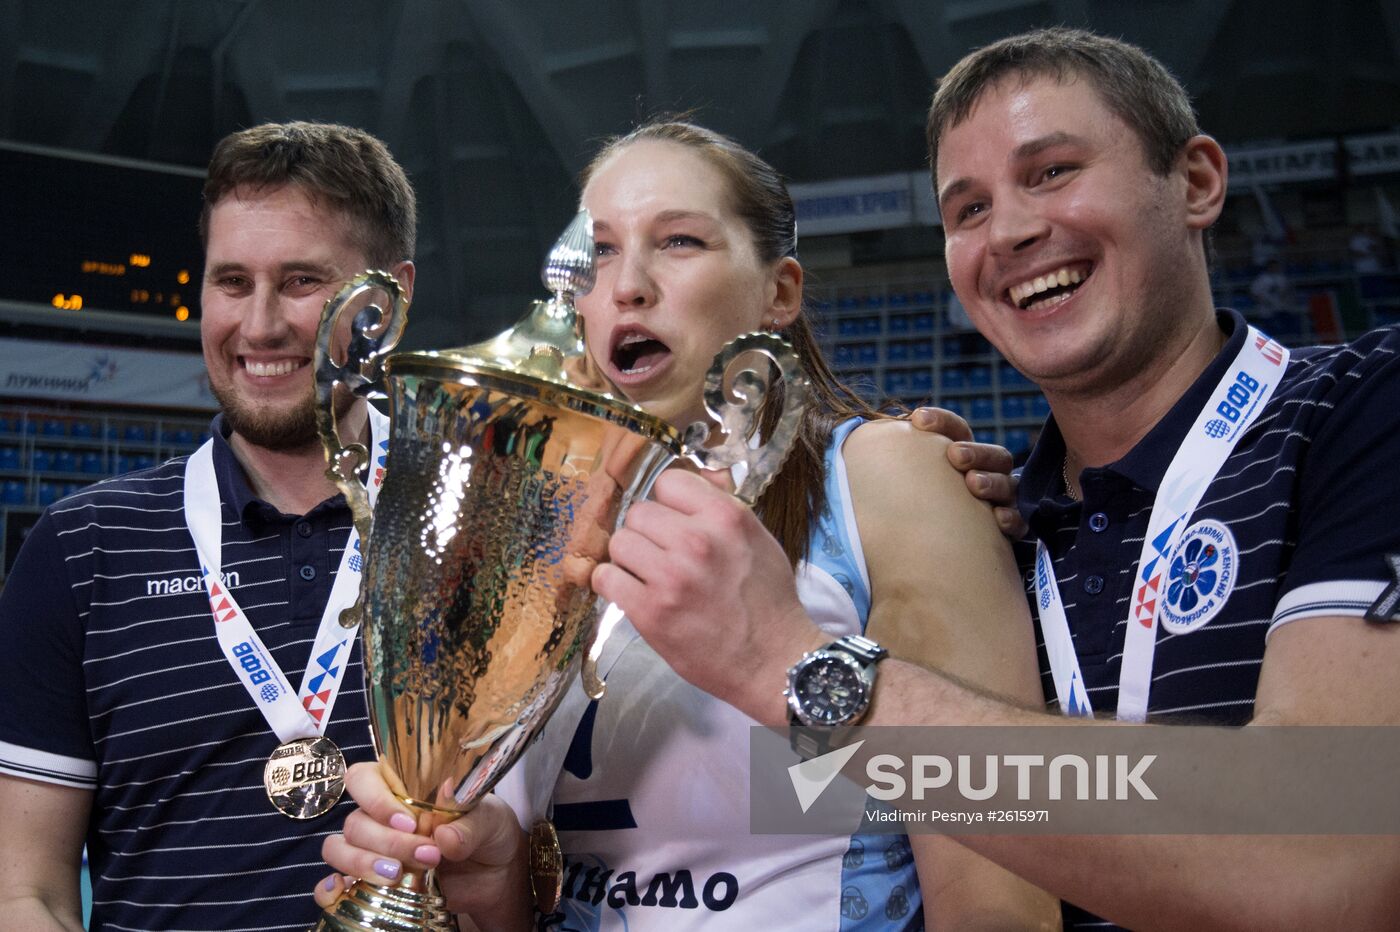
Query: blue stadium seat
42,460
1014,407
1018,440
48,493
897,352
92,463
1039,406
979,377
10,458
896,383
83,429
137,433
65,461
983,409
14,492
952,380
1010,377
921,381
54,428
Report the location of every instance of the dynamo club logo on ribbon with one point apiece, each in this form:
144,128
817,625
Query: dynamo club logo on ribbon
1202,574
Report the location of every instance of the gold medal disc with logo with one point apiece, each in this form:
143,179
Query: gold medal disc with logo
546,866
305,777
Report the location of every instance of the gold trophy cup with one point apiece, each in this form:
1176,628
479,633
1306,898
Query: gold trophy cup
505,475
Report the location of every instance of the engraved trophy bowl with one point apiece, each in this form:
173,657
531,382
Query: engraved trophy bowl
506,470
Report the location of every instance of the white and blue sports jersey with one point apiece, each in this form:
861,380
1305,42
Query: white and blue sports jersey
652,802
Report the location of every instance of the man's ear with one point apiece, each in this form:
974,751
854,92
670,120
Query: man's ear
1207,172
403,273
787,293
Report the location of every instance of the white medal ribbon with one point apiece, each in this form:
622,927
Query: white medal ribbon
1234,405
292,713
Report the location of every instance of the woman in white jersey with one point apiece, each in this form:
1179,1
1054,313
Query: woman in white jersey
696,244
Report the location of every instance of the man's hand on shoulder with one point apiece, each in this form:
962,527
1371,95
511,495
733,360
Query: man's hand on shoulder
986,466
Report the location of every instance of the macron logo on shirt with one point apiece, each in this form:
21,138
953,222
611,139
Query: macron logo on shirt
173,585
811,778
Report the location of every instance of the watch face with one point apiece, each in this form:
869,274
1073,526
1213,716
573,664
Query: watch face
829,690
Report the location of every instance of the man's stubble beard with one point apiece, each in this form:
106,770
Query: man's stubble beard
271,430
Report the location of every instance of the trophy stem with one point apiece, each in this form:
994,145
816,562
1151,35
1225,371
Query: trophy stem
414,903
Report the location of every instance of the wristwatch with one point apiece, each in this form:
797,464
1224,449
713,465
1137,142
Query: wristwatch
830,688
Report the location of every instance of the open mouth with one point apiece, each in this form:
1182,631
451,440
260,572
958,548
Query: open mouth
271,368
636,352
1050,288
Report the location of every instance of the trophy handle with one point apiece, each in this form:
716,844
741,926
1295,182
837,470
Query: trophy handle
737,418
659,458
373,332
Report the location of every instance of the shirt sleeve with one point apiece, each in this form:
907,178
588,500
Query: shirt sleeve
44,731
1347,510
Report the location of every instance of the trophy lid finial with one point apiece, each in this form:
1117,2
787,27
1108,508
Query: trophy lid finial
570,268
548,342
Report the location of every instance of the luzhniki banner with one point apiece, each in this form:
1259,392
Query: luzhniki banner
103,375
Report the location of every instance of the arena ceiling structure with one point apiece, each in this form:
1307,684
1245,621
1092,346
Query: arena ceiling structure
494,105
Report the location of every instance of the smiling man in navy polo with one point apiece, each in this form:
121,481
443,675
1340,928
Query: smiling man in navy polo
172,635
1212,512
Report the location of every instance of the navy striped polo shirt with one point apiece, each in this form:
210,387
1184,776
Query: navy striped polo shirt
1296,524
113,680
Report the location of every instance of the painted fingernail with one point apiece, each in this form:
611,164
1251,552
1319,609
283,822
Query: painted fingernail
427,854
387,869
402,822
328,884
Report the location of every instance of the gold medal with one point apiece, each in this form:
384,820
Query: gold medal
546,866
304,777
